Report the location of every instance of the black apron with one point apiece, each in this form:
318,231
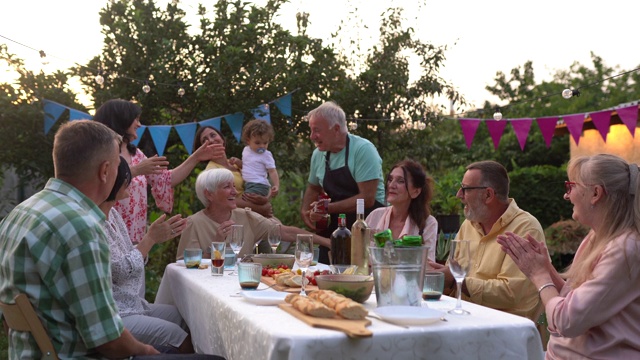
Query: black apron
339,184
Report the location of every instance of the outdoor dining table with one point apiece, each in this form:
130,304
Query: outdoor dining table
222,323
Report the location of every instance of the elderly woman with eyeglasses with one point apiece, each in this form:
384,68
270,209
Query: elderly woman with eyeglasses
593,309
215,189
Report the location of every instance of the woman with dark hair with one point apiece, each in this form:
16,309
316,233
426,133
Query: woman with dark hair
154,324
409,192
123,117
257,203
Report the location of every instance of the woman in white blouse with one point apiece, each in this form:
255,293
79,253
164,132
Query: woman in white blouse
409,192
155,324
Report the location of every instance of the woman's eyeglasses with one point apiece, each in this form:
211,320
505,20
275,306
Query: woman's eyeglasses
569,185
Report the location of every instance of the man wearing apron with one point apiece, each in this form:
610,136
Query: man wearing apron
345,166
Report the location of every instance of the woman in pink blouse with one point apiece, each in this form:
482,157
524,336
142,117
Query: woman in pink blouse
123,117
409,192
595,312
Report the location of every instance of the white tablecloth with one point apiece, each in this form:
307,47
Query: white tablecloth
229,326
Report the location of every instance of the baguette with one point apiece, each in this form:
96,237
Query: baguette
309,306
344,306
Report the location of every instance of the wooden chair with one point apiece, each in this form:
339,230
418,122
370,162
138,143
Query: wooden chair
21,317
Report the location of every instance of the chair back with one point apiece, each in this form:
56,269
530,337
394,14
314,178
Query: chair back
22,317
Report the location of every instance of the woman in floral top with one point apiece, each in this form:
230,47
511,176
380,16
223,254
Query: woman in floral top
154,324
124,118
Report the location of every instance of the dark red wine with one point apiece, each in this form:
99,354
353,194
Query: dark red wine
431,295
217,262
249,285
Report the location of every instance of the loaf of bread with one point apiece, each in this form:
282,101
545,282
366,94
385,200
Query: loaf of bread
344,306
309,306
282,278
293,281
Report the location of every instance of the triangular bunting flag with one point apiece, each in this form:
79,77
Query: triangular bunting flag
139,132
469,128
160,135
235,123
284,105
262,112
629,116
78,115
574,125
496,128
52,112
547,128
602,120
213,122
187,133
521,128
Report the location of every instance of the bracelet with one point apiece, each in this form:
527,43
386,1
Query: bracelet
545,286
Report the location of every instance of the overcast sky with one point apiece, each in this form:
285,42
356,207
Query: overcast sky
483,37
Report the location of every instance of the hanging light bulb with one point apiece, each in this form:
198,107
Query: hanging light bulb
99,79
181,92
353,125
146,88
43,57
567,93
497,115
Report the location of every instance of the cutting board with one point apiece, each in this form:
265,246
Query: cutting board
353,328
295,290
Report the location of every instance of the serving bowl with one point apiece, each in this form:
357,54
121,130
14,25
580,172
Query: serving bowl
274,260
355,287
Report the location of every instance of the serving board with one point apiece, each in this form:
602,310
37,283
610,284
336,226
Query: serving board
268,280
353,328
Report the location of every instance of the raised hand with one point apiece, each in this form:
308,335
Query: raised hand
150,166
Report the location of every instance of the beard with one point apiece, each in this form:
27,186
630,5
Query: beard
474,210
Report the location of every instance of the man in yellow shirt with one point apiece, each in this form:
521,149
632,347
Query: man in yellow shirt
494,280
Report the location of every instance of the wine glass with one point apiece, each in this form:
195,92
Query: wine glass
459,264
275,237
304,256
235,240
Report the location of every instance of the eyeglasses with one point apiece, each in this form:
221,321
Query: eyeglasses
465,188
569,185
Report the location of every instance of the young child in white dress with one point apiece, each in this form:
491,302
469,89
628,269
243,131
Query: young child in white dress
258,165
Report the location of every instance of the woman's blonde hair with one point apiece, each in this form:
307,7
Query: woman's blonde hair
619,205
210,180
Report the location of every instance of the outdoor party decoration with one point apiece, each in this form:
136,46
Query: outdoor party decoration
574,122
186,132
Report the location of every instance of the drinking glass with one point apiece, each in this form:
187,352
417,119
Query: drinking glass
304,256
275,237
217,258
235,240
459,264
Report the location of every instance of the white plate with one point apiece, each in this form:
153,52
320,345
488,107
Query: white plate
408,315
264,297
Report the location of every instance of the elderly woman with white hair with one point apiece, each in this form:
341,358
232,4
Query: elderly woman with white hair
216,191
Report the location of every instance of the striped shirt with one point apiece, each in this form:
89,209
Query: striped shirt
54,249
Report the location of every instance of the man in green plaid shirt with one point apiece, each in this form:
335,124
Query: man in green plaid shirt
53,248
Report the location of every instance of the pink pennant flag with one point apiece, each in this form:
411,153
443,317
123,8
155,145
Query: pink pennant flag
521,128
629,116
574,125
547,127
469,128
602,120
496,129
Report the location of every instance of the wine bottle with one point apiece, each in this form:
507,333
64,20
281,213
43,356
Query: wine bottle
360,233
341,243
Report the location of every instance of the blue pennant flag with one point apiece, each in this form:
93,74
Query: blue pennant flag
78,115
52,112
213,122
160,135
284,105
235,123
139,132
262,113
187,133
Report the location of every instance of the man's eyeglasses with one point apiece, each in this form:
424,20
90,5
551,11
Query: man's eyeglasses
465,188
